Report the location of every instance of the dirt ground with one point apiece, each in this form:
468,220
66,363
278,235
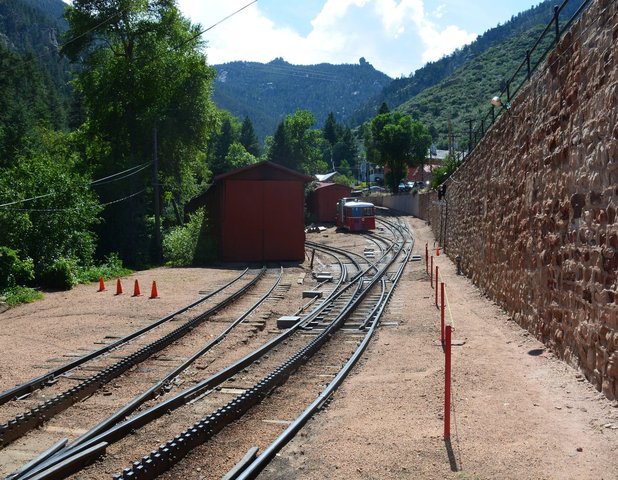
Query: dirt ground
518,412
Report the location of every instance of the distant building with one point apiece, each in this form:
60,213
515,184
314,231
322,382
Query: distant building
322,202
425,174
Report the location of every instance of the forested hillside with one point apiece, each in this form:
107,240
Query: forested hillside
267,92
33,28
502,48
34,91
466,94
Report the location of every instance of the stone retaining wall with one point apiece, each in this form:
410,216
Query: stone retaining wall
532,212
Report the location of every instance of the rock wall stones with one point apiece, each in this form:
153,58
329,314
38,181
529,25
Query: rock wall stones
532,211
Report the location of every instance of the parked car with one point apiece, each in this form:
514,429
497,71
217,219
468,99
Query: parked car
376,189
404,187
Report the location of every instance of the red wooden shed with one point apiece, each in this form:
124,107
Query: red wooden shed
323,201
256,214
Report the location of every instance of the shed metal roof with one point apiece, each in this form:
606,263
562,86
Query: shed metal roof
261,165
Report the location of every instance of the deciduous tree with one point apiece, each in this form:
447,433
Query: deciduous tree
142,68
396,142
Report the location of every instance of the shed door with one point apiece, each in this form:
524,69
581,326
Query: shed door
284,222
243,224
264,221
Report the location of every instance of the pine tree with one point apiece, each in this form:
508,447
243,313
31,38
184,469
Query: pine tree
249,139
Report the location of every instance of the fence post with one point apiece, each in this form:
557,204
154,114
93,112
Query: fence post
431,272
436,285
442,314
508,91
470,135
528,62
447,384
556,15
427,257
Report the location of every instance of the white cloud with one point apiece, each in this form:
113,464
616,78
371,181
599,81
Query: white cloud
439,11
440,43
397,37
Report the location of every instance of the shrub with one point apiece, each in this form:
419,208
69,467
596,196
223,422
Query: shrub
18,294
180,243
61,274
111,268
13,270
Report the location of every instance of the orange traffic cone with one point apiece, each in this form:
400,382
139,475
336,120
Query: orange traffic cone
118,287
154,293
136,290
101,285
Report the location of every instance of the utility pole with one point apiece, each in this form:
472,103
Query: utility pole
157,208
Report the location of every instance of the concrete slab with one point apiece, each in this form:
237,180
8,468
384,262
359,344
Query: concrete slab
287,321
312,294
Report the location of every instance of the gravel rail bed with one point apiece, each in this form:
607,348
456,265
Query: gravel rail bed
81,416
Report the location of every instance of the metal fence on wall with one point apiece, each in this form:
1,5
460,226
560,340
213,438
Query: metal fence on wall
533,58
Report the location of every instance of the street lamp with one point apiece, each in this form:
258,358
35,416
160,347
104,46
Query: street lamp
496,102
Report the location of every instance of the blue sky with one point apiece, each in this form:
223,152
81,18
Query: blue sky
395,36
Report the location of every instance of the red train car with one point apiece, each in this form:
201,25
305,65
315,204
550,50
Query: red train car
355,215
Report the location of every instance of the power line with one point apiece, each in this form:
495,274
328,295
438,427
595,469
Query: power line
296,71
71,40
134,170
123,199
102,22
101,181
201,32
26,200
71,209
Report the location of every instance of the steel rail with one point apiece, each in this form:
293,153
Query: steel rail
120,430
340,251
160,460
150,393
45,379
254,468
38,415
343,271
157,388
342,278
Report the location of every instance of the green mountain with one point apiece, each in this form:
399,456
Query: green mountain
461,84
266,93
34,27
465,95
34,89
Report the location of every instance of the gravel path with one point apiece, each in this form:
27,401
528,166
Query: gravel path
519,413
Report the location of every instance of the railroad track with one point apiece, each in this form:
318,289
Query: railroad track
158,351
332,331
49,378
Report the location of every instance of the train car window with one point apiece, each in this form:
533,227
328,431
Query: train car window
367,211
357,211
